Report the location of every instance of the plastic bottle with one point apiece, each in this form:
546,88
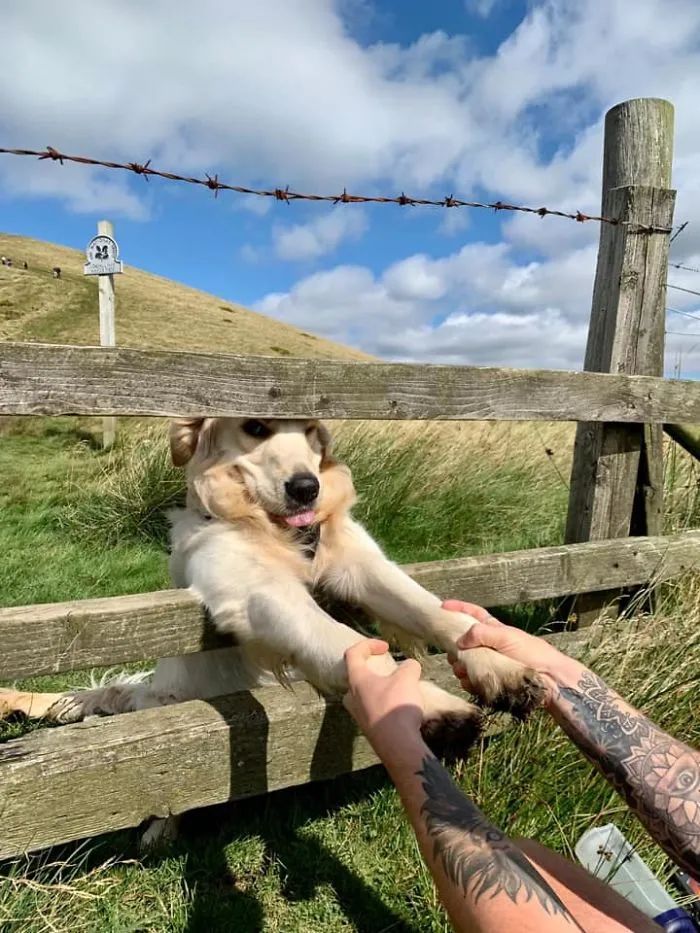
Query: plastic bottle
606,853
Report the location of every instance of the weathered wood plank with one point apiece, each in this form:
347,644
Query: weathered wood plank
36,379
57,785
616,480
45,639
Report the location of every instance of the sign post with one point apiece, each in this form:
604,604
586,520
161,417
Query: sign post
103,261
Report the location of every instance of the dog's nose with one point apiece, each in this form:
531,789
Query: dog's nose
302,488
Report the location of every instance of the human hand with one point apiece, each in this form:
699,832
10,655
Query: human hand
533,652
386,707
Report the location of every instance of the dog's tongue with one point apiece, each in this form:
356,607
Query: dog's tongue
301,520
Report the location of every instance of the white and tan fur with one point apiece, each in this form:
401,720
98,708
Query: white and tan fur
232,549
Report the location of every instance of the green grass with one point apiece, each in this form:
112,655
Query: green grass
44,558
336,856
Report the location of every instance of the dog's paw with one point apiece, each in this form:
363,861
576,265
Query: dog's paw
502,684
451,735
159,834
521,696
9,702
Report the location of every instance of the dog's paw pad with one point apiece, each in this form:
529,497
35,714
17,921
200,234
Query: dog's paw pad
521,696
451,735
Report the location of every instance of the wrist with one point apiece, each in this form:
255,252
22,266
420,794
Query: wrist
566,672
398,749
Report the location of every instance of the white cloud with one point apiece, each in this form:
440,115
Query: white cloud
477,305
483,8
531,132
82,191
251,254
274,91
320,236
280,92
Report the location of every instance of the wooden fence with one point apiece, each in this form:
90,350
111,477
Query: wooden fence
62,784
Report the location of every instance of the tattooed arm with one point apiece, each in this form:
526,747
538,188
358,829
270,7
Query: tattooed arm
658,776
485,881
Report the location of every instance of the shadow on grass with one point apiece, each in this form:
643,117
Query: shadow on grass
220,900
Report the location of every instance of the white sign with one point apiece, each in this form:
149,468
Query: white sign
102,256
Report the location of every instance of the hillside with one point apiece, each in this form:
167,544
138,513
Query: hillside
152,312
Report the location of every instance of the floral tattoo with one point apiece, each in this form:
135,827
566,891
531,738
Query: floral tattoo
658,776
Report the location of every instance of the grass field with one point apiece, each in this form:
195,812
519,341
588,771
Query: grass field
336,856
152,312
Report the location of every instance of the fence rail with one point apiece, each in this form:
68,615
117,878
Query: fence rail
102,632
107,774
38,379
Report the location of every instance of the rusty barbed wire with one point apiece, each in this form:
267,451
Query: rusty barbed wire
285,194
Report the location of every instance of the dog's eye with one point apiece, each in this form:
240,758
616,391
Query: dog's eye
256,429
310,430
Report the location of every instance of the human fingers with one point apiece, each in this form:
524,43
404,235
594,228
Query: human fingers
482,635
409,671
357,655
471,609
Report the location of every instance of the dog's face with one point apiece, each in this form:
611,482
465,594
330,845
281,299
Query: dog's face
278,462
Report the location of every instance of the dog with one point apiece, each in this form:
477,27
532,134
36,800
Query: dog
267,522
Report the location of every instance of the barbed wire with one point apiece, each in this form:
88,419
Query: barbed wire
679,265
213,183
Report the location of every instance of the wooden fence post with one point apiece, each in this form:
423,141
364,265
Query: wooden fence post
616,479
105,286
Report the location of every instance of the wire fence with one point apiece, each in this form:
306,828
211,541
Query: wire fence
213,183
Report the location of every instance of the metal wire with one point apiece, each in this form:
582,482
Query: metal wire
285,194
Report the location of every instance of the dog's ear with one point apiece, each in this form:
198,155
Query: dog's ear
184,436
326,442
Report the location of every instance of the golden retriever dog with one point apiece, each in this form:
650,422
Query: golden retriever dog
267,522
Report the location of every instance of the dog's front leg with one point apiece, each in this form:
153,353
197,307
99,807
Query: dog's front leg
361,573
284,626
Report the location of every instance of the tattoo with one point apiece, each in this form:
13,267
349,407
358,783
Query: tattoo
474,853
658,776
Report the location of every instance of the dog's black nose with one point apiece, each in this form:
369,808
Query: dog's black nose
302,488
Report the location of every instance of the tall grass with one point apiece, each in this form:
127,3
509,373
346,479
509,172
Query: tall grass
424,490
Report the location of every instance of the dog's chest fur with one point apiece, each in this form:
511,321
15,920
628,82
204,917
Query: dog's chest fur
307,540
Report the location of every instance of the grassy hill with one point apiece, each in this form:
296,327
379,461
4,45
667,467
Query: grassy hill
152,312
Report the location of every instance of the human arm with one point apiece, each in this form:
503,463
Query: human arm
485,881
657,775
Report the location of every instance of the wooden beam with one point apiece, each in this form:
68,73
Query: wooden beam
57,785
687,435
47,639
36,379
617,473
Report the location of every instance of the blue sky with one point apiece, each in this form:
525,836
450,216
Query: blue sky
479,98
